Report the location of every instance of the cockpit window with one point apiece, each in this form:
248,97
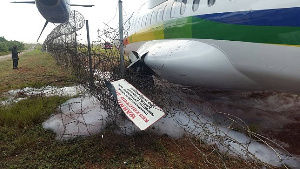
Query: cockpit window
196,4
183,6
211,2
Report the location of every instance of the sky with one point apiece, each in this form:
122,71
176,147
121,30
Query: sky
23,22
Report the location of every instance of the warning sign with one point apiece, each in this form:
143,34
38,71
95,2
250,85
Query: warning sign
138,108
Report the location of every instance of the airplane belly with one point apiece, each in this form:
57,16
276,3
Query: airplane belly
194,63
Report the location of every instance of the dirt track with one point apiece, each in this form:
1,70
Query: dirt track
7,57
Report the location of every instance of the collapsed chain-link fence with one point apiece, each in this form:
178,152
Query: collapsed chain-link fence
192,114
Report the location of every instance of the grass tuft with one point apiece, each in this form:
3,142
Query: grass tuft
29,112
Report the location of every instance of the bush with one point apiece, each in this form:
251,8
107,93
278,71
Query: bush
3,47
19,45
6,46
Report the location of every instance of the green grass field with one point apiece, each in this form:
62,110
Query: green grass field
36,69
25,144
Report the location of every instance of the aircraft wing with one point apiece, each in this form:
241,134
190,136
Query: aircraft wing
33,2
82,5
24,2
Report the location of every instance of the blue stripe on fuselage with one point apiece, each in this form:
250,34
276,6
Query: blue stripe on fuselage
270,17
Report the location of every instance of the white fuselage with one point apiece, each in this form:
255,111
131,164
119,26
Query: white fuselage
231,44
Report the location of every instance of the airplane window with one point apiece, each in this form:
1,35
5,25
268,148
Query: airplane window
196,5
161,14
165,13
173,8
135,23
158,17
183,6
211,2
141,21
145,20
153,19
148,19
176,8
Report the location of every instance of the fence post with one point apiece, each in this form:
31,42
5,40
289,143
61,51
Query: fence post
121,39
90,57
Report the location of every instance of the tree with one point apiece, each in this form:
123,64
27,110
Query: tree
2,39
8,45
3,47
11,44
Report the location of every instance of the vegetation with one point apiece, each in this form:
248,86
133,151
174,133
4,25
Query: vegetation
25,144
36,148
36,69
29,112
6,46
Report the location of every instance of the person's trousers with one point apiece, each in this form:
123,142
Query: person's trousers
15,63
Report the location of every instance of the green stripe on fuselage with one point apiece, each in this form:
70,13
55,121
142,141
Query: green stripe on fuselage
179,28
194,27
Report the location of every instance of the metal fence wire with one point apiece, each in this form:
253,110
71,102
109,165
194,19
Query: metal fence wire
179,103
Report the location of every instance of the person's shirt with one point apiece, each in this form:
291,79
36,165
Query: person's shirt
14,53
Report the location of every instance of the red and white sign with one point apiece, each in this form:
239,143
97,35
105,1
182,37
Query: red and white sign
138,108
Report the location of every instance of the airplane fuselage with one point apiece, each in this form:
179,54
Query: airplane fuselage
224,44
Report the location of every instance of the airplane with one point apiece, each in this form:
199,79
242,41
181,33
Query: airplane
54,11
219,44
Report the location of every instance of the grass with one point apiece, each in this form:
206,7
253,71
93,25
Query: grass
29,112
36,69
25,144
4,53
36,148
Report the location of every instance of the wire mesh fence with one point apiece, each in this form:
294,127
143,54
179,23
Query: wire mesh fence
186,112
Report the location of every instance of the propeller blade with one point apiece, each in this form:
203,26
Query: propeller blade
134,63
139,60
143,56
42,30
136,54
139,64
24,2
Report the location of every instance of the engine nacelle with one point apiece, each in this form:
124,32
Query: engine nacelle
193,63
55,11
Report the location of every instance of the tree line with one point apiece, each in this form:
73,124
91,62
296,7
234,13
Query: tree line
6,45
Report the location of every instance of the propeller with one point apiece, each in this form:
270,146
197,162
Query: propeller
42,30
139,64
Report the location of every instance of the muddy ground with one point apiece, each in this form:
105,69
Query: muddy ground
275,115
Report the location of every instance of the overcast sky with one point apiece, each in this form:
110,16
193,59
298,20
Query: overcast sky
23,22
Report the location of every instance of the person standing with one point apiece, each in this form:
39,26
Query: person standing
15,57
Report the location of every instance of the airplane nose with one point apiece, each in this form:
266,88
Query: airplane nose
49,2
